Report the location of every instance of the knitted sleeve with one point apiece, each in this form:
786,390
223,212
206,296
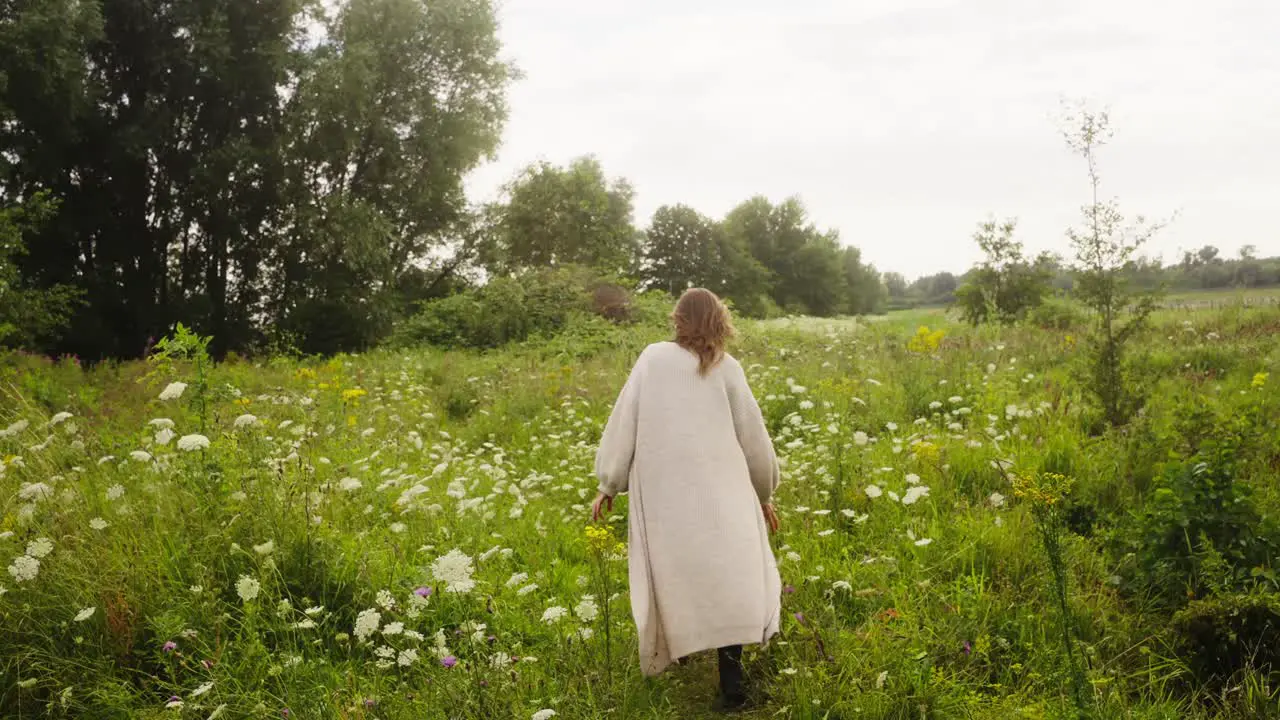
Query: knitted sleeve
753,435
618,444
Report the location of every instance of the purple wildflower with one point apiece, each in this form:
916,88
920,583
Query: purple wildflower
967,647
449,661
422,592
169,646
800,618
788,590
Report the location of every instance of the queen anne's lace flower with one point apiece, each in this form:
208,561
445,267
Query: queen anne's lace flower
191,443
24,568
40,547
554,614
915,493
173,391
587,610
454,569
367,623
85,614
248,588
245,420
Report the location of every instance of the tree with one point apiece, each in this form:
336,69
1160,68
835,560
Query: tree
27,316
682,249
228,165
800,268
896,285
556,216
1005,286
393,107
1104,244
865,293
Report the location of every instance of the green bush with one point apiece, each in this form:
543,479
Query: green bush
1201,532
1058,314
1222,636
504,310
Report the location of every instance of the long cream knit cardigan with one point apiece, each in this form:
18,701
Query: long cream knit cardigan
695,457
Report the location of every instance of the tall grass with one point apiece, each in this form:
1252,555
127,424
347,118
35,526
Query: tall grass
233,579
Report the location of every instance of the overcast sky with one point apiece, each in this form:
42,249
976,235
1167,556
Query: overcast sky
903,123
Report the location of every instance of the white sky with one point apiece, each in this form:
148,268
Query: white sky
903,123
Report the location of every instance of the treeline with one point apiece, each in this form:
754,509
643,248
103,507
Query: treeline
256,169
766,258
280,173
1204,269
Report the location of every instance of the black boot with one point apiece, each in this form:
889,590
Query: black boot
733,691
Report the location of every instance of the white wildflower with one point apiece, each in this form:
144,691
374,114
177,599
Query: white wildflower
454,569
265,548
367,623
98,524
59,418
34,492
544,714
24,568
873,491
173,391
407,657
140,456
996,500
164,436
40,547
15,428
193,442
202,689
587,610
915,493
248,588
554,614
245,421
85,614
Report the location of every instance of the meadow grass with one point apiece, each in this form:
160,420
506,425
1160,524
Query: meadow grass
303,563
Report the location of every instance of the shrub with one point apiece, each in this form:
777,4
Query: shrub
504,310
1058,314
1201,532
1221,636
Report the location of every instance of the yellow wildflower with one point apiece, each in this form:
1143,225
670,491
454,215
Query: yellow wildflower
1260,379
600,538
353,394
926,341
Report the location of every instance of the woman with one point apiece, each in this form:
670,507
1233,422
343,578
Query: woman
687,441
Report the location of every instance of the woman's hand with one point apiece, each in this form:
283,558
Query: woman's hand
770,516
601,504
